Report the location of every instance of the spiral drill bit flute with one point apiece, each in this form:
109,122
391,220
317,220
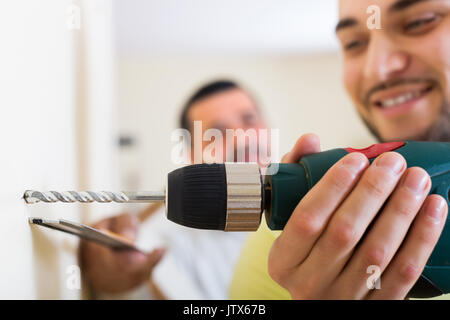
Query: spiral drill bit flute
32,196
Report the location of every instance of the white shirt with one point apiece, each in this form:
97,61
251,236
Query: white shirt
198,264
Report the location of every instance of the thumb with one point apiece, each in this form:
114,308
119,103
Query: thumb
155,256
305,145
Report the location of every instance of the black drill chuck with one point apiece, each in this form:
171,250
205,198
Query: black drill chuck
216,196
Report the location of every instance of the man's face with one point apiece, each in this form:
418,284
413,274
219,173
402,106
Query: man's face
399,76
230,109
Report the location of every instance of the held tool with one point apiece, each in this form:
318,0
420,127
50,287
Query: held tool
233,196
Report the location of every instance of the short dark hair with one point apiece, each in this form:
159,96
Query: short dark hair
203,92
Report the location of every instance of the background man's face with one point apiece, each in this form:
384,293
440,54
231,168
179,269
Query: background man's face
230,109
399,76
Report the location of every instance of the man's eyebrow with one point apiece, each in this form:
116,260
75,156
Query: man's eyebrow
397,6
346,23
404,4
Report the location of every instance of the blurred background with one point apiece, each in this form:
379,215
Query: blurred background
92,90
285,53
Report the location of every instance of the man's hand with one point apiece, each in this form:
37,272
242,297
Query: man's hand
110,271
327,246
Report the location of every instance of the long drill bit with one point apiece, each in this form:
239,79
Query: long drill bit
32,196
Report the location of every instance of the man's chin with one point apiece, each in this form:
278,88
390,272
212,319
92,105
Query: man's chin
405,136
436,133
439,131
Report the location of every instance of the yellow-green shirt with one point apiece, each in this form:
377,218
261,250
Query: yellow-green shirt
251,280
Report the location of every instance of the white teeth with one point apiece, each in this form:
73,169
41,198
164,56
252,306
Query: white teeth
390,103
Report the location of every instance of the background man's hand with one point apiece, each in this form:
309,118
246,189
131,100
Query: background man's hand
327,246
110,271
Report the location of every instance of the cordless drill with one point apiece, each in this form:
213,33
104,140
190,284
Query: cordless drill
233,196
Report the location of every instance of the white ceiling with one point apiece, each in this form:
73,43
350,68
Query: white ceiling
224,26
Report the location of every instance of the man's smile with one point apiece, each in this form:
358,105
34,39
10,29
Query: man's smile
400,99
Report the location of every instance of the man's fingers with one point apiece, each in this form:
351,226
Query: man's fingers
138,262
92,253
312,213
103,224
155,256
143,270
408,264
126,225
115,271
127,268
386,235
306,144
351,220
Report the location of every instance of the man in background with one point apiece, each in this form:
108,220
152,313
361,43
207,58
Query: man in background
398,77
200,261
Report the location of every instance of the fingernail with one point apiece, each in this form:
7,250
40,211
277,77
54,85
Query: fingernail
355,162
416,181
435,209
392,161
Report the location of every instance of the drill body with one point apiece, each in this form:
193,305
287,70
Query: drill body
287,187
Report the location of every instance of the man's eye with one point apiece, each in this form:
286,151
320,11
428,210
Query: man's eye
353,45
421,25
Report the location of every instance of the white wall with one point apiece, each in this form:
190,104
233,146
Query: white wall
298,93
97,89
56,83
37,133
232,26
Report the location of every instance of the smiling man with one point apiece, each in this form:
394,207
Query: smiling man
399,77
359,215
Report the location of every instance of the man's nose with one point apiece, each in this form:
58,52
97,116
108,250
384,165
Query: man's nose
385,59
